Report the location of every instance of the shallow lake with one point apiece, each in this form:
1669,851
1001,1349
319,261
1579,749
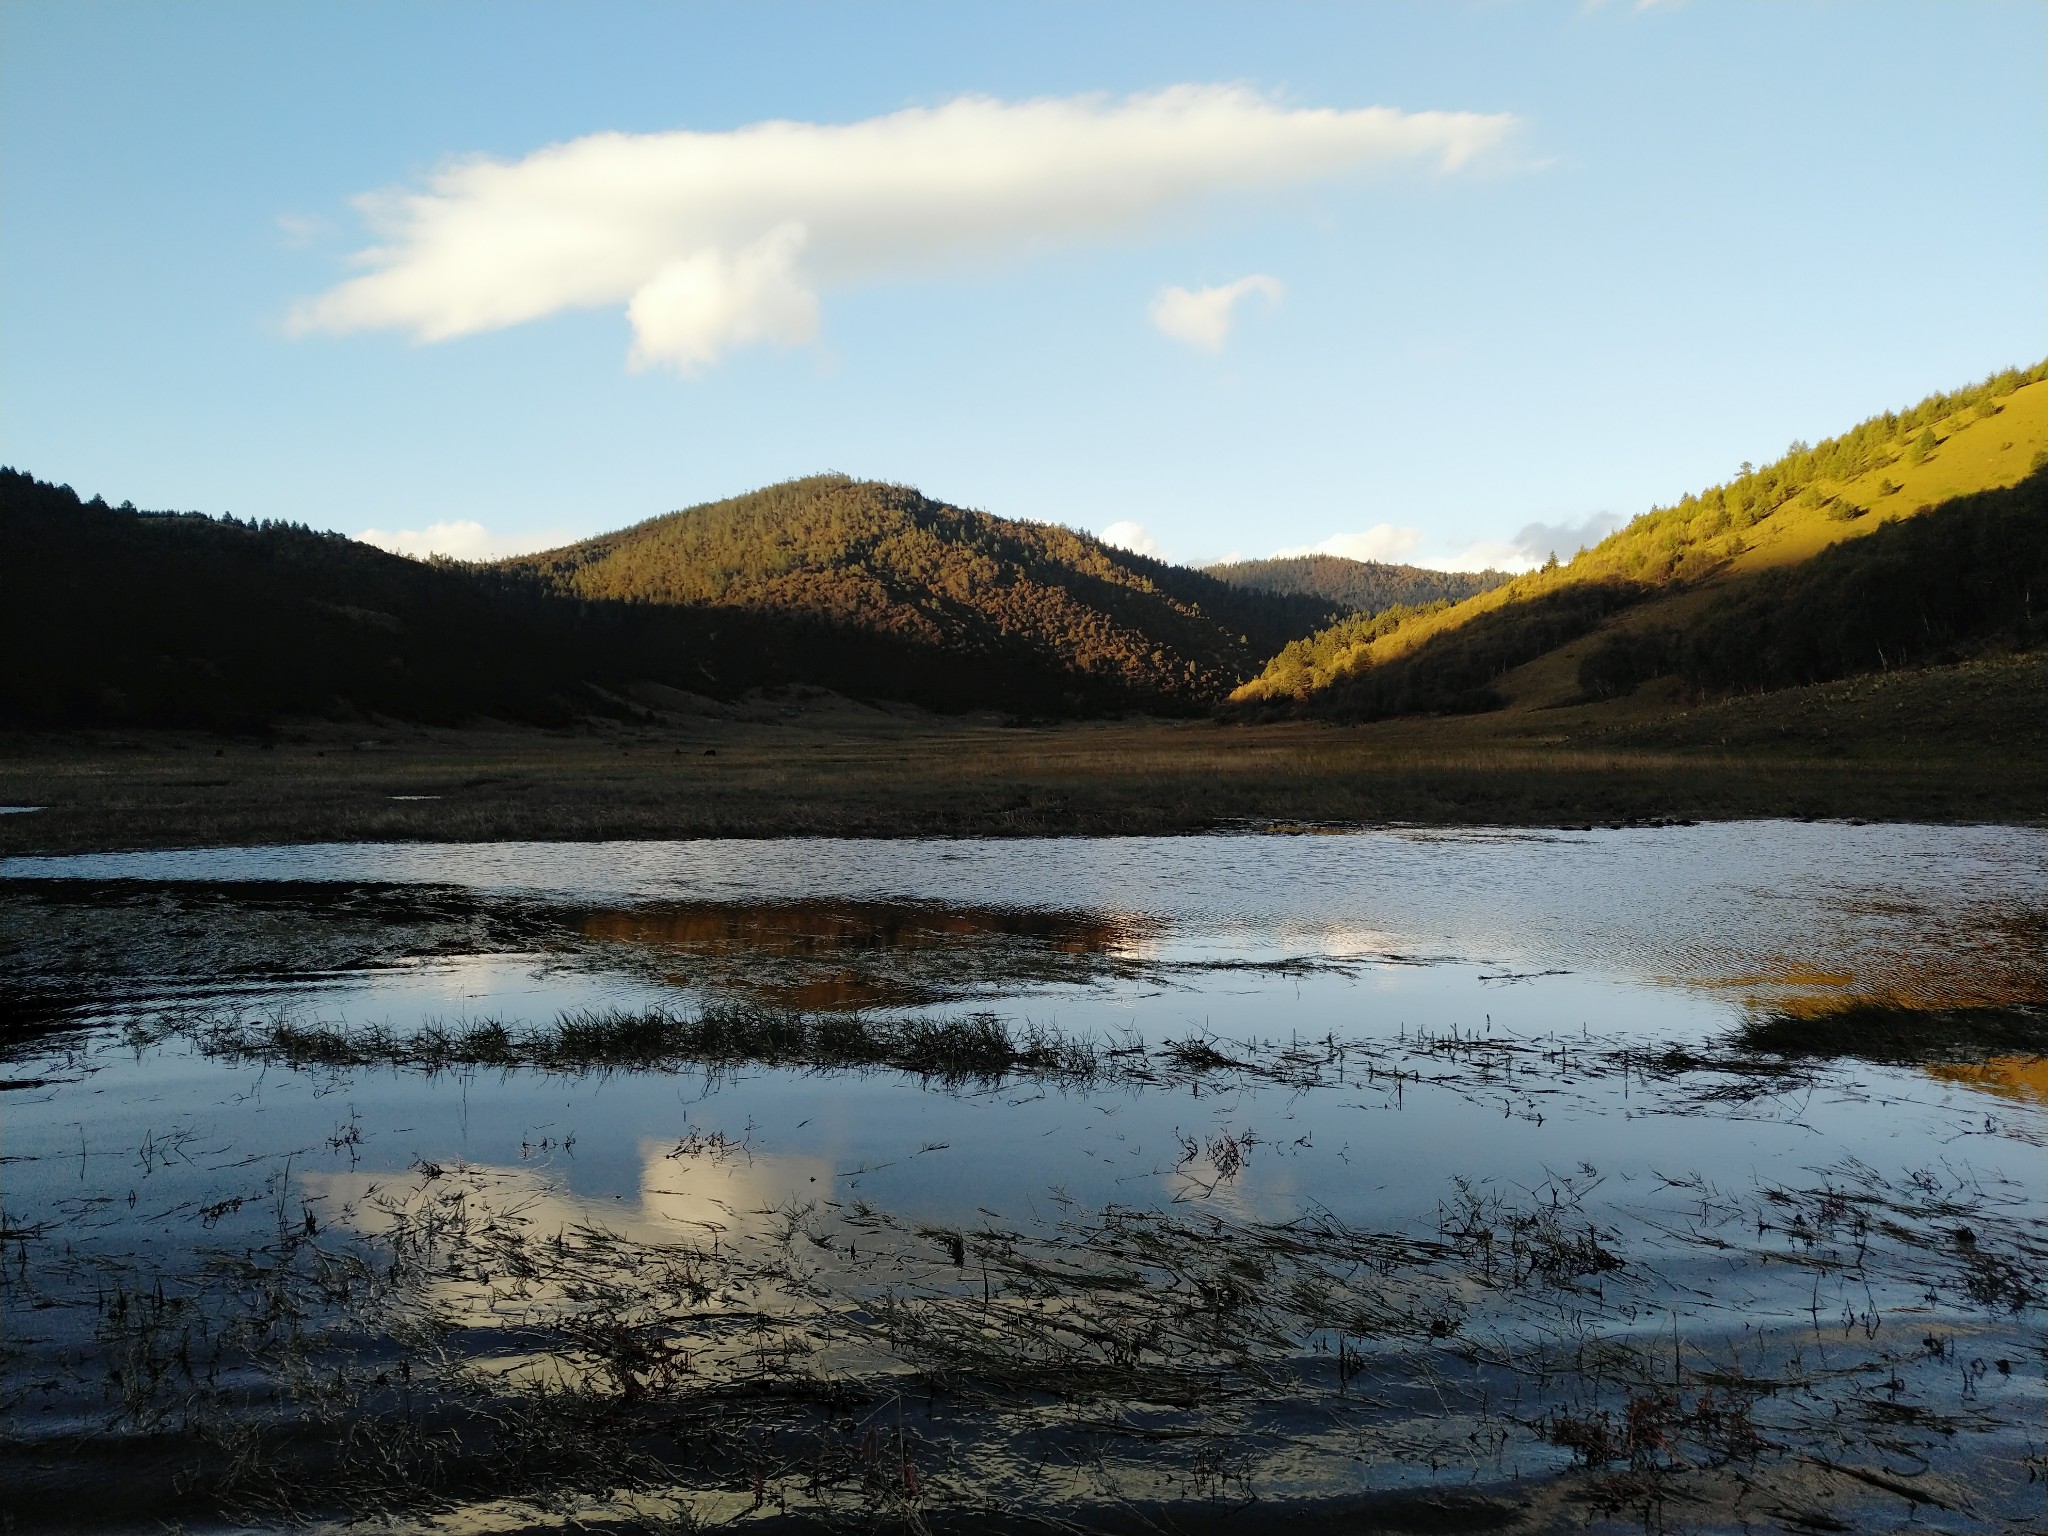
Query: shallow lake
1109,1181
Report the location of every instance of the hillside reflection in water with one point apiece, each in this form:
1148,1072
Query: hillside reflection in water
851,954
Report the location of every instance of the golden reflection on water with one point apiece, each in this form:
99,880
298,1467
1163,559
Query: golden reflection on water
820,927
847,956
1905,981
2023,1078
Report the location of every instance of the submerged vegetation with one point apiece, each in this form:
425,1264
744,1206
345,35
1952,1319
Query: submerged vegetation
1773,1053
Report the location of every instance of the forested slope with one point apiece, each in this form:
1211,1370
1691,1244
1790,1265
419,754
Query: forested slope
114,616
989,594
1685,590
1362,586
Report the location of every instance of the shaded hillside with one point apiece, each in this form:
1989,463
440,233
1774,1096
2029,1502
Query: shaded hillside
1361,586
1968,575
991,595
117,617
1625,598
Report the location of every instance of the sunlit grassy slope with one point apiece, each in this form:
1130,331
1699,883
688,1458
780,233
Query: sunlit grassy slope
1524,643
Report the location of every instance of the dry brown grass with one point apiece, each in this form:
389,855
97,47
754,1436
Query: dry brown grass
829,768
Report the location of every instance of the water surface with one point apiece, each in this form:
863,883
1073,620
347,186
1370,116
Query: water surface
1381,1134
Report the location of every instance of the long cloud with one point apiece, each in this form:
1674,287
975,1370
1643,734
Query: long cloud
716,240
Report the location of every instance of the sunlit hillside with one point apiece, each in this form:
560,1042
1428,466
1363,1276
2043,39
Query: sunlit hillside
1528,641
979,591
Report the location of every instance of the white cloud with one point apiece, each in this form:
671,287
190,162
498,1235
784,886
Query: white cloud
1533,544
1487,555
1135,537
1383,542
461,541
1201,317
715,240
1539,541
699,307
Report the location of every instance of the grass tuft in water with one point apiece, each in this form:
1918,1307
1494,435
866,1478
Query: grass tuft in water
972,1046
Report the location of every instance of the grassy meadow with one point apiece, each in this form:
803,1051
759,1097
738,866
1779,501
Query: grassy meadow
1960,743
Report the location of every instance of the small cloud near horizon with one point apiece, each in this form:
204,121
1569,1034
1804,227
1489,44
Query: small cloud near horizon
1135,537
466,540
1539,541
1487,555
1532,544
1202,317
1383,542
714,241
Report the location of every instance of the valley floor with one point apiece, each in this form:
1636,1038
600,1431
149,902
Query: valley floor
1965,743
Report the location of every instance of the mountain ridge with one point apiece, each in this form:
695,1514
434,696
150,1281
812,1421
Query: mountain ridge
1363,586
888,560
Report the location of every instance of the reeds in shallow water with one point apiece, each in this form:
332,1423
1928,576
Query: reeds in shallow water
728,1034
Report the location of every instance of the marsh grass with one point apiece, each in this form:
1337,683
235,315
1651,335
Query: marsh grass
1526,1075
1855,749
721,1035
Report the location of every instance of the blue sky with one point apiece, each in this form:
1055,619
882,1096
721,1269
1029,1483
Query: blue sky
1152,266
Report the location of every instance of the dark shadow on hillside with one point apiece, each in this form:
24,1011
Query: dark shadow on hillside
1964,578
1453,671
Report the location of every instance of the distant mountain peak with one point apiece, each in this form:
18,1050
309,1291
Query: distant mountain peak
1360,586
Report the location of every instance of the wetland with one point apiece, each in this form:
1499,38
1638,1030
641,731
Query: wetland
1675,1177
